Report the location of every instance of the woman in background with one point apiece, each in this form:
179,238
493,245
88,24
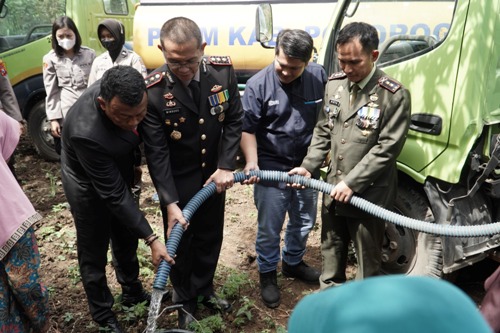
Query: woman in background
23,299
111,33
66,70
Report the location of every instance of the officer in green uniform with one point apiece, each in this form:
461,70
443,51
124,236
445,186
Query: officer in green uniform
363,126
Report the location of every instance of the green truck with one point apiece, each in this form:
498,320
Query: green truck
447,53
25,33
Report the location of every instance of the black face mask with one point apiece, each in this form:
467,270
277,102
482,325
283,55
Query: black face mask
110,45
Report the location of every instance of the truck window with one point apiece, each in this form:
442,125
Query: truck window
26,21
407,29
116,7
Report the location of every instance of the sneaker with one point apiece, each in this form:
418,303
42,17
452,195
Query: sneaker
301,271
269,290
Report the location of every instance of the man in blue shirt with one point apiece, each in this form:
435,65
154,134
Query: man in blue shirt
281,104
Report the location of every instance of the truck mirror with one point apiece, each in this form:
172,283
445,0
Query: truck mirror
264,24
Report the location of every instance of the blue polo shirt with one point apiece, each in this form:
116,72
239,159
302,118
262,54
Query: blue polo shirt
283,117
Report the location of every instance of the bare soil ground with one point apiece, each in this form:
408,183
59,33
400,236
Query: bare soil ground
237,266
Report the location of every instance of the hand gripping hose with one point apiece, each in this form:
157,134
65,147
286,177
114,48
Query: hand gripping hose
161,277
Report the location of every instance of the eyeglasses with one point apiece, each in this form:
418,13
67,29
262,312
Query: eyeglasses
187,64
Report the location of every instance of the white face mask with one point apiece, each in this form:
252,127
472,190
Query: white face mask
66,43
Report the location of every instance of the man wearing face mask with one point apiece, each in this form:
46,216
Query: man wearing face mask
111,33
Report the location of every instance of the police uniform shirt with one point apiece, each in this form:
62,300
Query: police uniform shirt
283,116
104,62
8,101
65,79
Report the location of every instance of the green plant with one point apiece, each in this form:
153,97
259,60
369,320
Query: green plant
210,324
235,282
244,313
74,274
60,207
68,316
135,312
52,183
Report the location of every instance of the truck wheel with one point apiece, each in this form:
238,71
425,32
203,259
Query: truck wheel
39,132
407,251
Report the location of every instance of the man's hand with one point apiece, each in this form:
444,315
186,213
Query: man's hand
159,252
301,172
341,192
251,166
223,180
174,216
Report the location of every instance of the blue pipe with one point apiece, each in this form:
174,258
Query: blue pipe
162,274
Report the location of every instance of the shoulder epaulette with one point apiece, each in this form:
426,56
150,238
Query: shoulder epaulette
389,84
220,60
153,79
337,76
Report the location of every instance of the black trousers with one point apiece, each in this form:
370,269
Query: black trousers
198,251
96,227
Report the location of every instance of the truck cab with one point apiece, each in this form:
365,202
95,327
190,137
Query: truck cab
446,53
25,37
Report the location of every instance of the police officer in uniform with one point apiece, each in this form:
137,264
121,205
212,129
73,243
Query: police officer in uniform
111,33
66,69
363,125
191,136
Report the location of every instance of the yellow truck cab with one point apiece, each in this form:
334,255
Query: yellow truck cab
25,33
227,27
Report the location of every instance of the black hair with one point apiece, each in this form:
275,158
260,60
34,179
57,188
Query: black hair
366,33
295,43
181,30
124,82
65,22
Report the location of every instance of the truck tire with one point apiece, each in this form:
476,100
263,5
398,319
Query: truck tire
407,251
39,132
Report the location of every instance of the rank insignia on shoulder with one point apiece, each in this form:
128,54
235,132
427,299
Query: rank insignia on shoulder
153,79
389,84
220,60
337,76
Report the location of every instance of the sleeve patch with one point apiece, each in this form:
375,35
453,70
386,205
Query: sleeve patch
220,60
389,84
337,76
153,79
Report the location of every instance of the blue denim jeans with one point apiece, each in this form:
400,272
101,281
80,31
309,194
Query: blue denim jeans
272,204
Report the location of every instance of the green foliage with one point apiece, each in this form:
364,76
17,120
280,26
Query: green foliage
244,313
74,274
212,324
235,282
135,312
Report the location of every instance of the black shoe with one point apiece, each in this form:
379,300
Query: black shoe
110,325
186,314
269,290
216,304
131,299
302,272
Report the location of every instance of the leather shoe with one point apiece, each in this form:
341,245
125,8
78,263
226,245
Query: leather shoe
186,314
216,304
301,271
110,325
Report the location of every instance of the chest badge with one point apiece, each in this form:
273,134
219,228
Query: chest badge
176,135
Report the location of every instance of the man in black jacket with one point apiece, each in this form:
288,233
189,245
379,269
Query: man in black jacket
97,162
